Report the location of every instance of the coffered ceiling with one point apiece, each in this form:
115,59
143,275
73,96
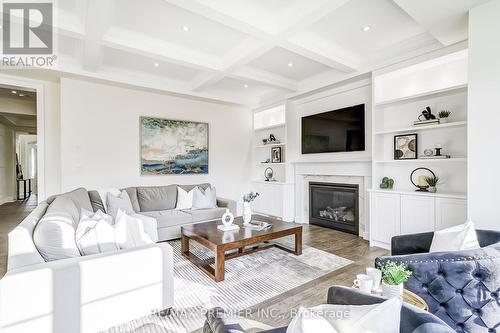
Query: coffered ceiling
248,51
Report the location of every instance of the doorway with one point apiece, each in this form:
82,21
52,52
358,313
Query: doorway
18,144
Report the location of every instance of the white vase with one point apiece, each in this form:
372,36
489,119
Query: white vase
390,291
247,212
443,120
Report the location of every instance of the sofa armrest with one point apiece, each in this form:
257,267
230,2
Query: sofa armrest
229,204
71,295
410,244
412,319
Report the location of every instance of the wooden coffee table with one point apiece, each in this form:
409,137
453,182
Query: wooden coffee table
219,242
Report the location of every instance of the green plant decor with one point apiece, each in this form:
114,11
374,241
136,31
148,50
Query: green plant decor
394,274
444,114
249,197
387,183
432,181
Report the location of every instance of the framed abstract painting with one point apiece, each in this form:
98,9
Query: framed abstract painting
173,147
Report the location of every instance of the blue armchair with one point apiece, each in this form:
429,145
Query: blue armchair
462,287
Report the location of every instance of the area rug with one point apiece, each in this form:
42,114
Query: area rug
249,280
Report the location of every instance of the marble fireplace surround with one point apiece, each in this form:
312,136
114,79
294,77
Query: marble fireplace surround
356,173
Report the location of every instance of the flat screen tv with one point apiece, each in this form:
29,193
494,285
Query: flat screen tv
334,131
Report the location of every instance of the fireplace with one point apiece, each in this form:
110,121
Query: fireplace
334,206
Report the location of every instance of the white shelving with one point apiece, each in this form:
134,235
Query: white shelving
423,128
424,160
423,96
268,164
271,145
269,127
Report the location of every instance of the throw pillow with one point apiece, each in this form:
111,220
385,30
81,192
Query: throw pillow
150,225
457,238
95,233
184,198
120,201
204,199
330,318
103,193
54,234
130,231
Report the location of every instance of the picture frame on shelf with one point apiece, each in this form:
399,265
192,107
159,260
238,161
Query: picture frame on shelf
276,156
406,147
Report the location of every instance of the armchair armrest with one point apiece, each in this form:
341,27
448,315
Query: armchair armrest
410,244
89,293
229,204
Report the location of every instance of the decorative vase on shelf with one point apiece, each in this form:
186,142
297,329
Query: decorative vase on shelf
389,290
432,189
247,212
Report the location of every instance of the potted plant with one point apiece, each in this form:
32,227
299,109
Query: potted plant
247,210
393,277
443,115
432,182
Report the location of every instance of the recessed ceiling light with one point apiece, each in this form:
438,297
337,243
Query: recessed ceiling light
290,64
14,92
186,28
21,95
156,64
366,28
245,86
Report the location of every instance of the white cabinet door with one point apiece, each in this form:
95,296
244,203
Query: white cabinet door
417,214
450,212
385,217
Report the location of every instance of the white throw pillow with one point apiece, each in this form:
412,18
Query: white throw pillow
103,193
184,198
204,199
54,234
150,225
95,233
457,238
120,201
130,231
329,318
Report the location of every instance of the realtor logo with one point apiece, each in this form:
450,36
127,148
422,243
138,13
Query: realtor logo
27,28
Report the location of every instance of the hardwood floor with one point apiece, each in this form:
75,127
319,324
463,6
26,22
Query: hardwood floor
11,214
274,312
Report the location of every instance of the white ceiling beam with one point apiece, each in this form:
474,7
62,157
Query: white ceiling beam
97,21
269,41
205,80
264,77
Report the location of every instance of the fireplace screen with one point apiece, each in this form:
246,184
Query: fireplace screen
334,206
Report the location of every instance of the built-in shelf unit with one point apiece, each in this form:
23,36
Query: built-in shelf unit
399,97
276,197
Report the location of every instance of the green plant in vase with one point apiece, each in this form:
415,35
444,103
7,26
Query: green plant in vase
387,183
247,210
432,182
393,277
444,115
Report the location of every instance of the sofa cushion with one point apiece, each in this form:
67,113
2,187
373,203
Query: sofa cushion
169,218
96,202
155,198
188,188
204,199
130,231
95,233
199,215
54,234
132,193
80,197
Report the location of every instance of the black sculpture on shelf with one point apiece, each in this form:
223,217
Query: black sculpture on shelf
427,114
272,138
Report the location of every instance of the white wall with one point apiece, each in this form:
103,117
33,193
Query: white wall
100,138
7,173
484,115
52,139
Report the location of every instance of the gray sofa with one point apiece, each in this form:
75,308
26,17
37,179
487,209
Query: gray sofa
159,202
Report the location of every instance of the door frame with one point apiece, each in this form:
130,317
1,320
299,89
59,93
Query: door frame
38,86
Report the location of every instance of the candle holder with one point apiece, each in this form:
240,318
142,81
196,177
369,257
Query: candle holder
419,187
